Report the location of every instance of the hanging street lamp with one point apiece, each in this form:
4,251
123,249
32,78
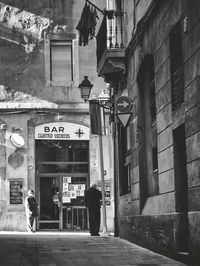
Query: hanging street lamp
103,100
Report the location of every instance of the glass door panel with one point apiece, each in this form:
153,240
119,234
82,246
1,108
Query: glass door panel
49,203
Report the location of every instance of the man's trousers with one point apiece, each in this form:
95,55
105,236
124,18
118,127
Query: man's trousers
94,221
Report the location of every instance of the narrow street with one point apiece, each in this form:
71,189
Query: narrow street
56,249
99,131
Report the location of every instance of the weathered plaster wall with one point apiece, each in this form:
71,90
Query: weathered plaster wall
15,165
12,216
22,49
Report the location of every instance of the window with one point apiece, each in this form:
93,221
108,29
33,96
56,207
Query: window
176,61
155,158
153,176
61,61
152,101
148,155
124,160
152,95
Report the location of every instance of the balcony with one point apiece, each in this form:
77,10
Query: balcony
110,47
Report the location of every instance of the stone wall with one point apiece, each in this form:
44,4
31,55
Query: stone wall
138,221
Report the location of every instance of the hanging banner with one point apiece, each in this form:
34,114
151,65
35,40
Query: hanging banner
62,130
95,119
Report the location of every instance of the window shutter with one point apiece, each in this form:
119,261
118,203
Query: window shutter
61,61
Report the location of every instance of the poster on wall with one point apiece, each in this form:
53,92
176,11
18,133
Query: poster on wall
71,187
16,195
107,187
73,194
65,186
71,191
66,197
67,179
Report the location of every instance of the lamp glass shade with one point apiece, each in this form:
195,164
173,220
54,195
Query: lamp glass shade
17,140
103,97
85,92
85,88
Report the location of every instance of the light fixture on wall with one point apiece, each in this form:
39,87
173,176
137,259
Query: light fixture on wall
17,140
103,100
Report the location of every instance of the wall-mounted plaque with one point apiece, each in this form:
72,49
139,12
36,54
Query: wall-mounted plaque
16,195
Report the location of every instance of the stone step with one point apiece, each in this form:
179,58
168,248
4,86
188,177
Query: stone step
184,256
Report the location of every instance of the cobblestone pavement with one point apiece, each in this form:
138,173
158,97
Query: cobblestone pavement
57,249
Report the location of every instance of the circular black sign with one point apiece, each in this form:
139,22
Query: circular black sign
124,104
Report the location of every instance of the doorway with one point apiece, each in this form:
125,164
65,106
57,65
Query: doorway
181,188
62,173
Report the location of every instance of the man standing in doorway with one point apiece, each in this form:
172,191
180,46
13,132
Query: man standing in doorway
92,201
31,207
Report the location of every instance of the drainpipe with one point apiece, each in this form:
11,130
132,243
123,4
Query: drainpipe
105,231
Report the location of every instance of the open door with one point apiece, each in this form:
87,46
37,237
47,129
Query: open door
62,178
181,188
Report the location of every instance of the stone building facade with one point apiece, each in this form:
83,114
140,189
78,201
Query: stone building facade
157,154
42,66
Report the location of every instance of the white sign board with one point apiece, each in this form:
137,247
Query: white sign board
67,179
65,186
73,194
62,131
66,197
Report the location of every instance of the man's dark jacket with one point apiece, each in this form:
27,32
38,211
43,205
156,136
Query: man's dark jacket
92,198
32,205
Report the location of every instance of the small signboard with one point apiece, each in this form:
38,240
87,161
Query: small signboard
66,197
65,186
16,195
73,194
62,130
124,118
67,179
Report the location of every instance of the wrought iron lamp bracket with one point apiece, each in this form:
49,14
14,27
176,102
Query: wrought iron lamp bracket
107,104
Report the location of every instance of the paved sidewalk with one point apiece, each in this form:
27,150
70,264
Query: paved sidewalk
57,249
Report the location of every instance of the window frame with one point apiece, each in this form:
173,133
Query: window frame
148,155
176,66
73,38
61,43
125,161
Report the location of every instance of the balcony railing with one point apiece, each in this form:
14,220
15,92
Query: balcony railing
110,34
